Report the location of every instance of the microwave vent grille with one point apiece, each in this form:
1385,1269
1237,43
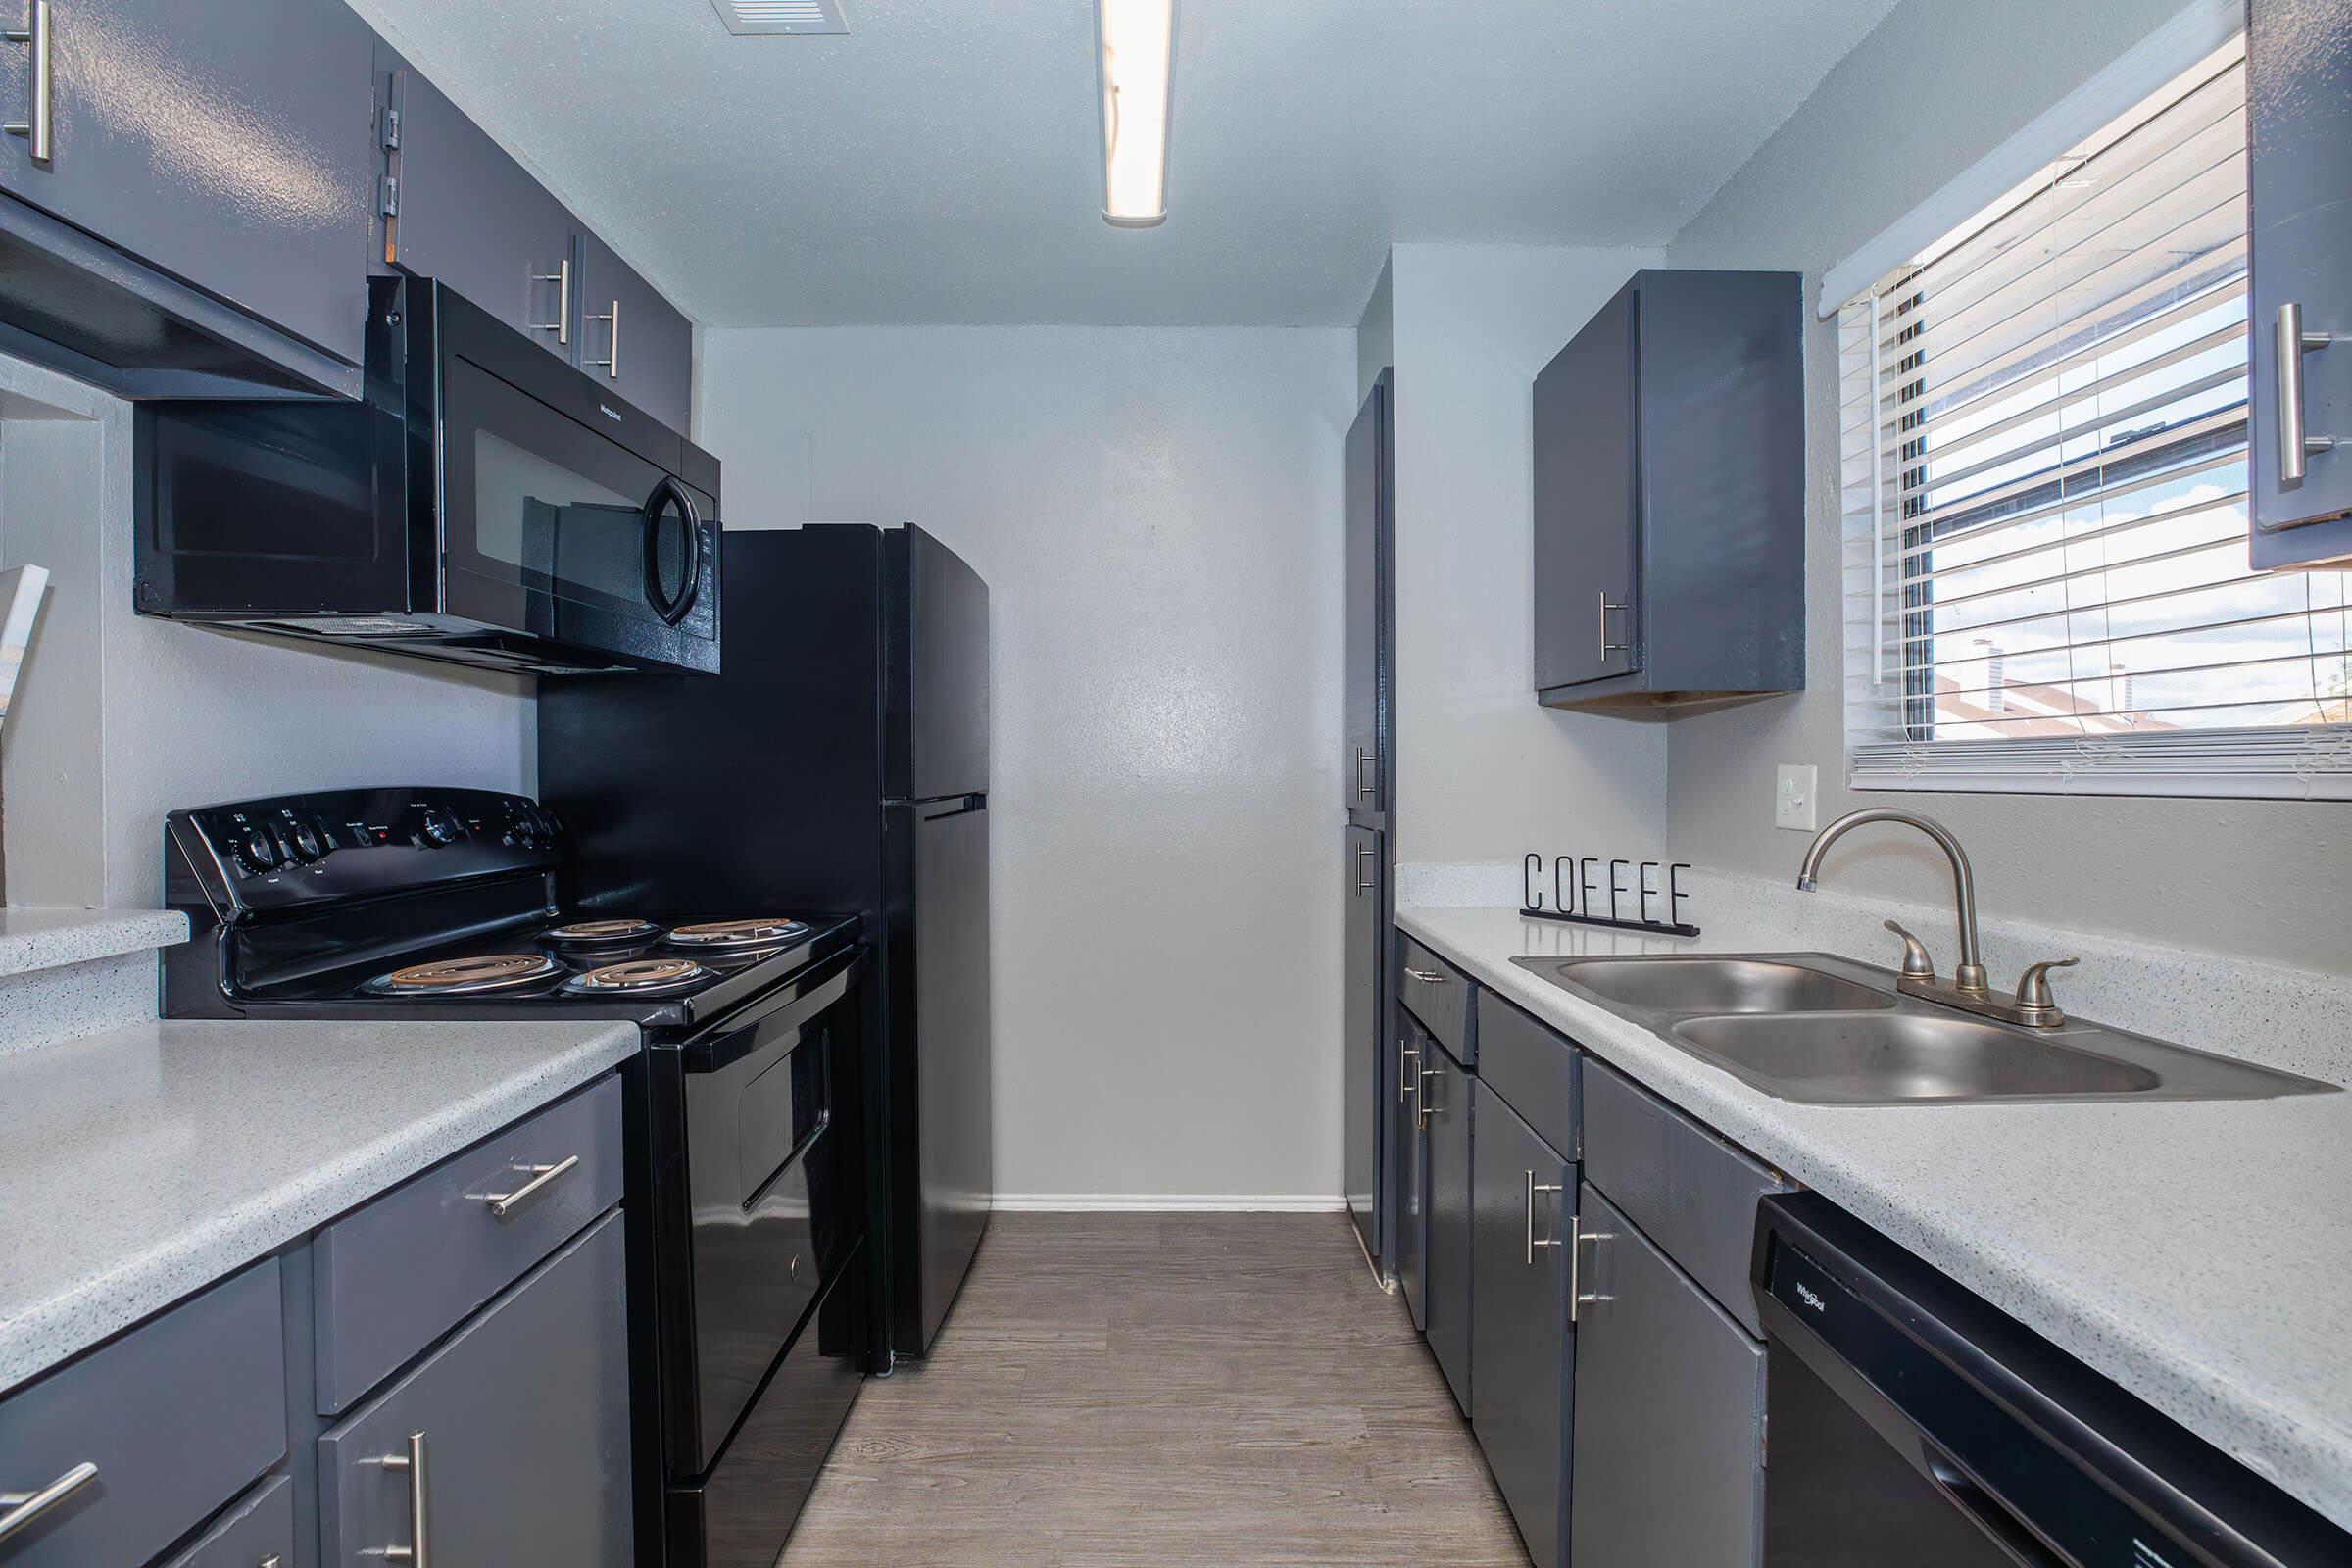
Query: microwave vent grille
781,18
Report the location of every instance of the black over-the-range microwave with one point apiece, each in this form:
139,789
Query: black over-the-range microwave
482,502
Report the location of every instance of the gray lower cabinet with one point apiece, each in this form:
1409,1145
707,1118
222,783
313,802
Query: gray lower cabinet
1447,1092
138,1442
1365,1088
2299,250
509,1443
1670,1394
634,339
257,1532
225,142
1523,1343
1414,1047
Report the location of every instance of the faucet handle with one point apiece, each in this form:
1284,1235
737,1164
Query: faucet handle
2034,986
1917,965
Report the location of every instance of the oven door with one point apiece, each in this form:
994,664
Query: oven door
773,1196
557,531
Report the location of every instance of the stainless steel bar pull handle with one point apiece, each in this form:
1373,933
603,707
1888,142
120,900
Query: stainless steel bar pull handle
38,126
2295,446
1361,788
1427,977
561,324
417,1553
1578,1296
611,361
1406,1074
1533,1188
25,1507
1607,647
1363,856
1423,1109
541,1177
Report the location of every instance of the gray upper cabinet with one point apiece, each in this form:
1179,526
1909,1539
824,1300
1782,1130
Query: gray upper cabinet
510,1442
228,143
1523,1345
468,216
633,338
1670,1396
471,217
2299,104
1669,488
1364,696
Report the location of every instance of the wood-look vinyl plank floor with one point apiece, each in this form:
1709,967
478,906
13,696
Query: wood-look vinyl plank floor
1120,1390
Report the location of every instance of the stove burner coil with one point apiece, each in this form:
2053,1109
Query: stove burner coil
464,976
640,975
585,933
725,934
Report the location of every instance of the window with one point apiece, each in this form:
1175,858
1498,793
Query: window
2044,478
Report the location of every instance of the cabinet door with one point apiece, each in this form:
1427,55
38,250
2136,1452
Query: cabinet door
1587,618
633,338
2299,230
1669,1407
1446,1096
1522,1343
229,142
1364,1085
1410,1139
520,1421
1366,588
472,218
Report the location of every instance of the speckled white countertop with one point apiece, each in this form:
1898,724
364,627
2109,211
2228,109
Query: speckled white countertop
2198,1253
140,1165
34,937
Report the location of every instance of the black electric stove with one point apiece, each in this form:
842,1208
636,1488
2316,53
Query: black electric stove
747,1170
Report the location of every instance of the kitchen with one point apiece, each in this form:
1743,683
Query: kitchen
1242,708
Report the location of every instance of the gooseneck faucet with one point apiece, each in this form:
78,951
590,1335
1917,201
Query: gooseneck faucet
1970,976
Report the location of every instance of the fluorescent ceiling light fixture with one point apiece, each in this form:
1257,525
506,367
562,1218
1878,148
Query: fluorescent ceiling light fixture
1137,57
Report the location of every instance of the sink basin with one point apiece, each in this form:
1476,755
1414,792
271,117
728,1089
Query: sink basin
1893,1057
1817,1028
1719,984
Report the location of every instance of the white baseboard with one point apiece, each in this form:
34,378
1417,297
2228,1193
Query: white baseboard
1169,1203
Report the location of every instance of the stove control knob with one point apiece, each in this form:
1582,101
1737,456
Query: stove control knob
439,827
257,852
308,842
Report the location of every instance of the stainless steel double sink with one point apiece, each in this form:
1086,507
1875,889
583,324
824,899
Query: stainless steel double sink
1824,1030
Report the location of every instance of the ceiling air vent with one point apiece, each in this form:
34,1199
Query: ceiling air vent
767,18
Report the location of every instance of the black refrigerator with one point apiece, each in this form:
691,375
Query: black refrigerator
838,762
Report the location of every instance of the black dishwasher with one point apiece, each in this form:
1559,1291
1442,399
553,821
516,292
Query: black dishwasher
1912,1423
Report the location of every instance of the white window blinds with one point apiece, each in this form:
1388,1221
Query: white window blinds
2044,480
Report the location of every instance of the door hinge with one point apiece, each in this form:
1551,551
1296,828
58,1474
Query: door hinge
391,129
389,201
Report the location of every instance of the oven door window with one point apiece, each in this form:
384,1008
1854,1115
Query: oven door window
537,502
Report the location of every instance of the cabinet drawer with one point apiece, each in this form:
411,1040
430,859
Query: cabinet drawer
1533,1067
258,1533
398,1274
1439,995
1693,1193
519,1425
176,1415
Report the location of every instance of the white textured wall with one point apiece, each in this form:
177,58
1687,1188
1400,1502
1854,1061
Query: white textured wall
1157,515
1484,773
121,718
1936,87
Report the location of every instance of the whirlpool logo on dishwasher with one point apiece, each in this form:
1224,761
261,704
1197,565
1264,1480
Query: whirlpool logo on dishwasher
1811,1297
610,413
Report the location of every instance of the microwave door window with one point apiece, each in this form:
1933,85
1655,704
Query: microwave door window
567,535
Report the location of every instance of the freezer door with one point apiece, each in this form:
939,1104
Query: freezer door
941,675
950,1181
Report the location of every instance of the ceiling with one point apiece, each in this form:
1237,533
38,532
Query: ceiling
940,163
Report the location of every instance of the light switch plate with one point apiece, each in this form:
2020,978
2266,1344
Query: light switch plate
1793,796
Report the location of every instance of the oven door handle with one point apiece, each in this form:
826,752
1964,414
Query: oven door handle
735,1038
